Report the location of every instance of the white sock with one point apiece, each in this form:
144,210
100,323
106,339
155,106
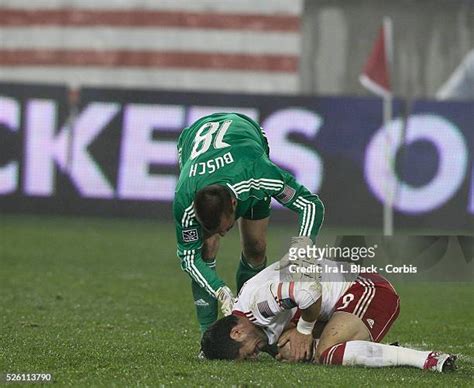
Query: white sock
372,354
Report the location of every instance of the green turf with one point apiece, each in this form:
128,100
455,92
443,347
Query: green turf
103,302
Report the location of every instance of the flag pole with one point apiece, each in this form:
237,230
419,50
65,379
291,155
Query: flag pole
387,117
389,189
73,106
376,77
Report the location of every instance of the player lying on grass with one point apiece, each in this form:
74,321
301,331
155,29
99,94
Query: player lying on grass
358,313
226,175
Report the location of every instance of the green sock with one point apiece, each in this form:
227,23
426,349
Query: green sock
206,305
245,271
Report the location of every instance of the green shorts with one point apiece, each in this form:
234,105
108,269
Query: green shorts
261,210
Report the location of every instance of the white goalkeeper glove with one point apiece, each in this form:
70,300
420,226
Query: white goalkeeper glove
296,244
225,296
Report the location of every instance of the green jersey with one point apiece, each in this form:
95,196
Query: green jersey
230,149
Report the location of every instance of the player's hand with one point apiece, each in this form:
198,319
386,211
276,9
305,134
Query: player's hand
300,345
296,243
225,296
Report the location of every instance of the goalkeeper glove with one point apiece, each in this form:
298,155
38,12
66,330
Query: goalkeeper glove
225,296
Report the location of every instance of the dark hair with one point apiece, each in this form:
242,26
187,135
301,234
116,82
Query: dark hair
216,342
210,204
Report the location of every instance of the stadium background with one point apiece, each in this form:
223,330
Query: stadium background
92,98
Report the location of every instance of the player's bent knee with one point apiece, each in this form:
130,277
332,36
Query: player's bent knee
342,327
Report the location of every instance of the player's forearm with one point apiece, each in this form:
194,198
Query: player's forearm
192,263
311,313
309,316
293,195
310,211
309,207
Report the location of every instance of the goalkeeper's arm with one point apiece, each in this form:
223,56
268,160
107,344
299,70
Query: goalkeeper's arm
285,189
189,246
192,263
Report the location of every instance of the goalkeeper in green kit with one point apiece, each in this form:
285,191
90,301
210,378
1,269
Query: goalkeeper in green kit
226,176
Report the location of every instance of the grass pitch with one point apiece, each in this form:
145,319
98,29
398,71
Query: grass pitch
103,302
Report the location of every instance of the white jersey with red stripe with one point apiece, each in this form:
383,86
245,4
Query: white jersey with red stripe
272,298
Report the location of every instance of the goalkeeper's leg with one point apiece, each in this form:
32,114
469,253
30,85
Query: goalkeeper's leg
206,305
245,271
252,259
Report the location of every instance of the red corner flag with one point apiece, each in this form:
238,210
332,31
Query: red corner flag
376,73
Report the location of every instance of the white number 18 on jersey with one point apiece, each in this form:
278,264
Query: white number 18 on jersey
203,142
